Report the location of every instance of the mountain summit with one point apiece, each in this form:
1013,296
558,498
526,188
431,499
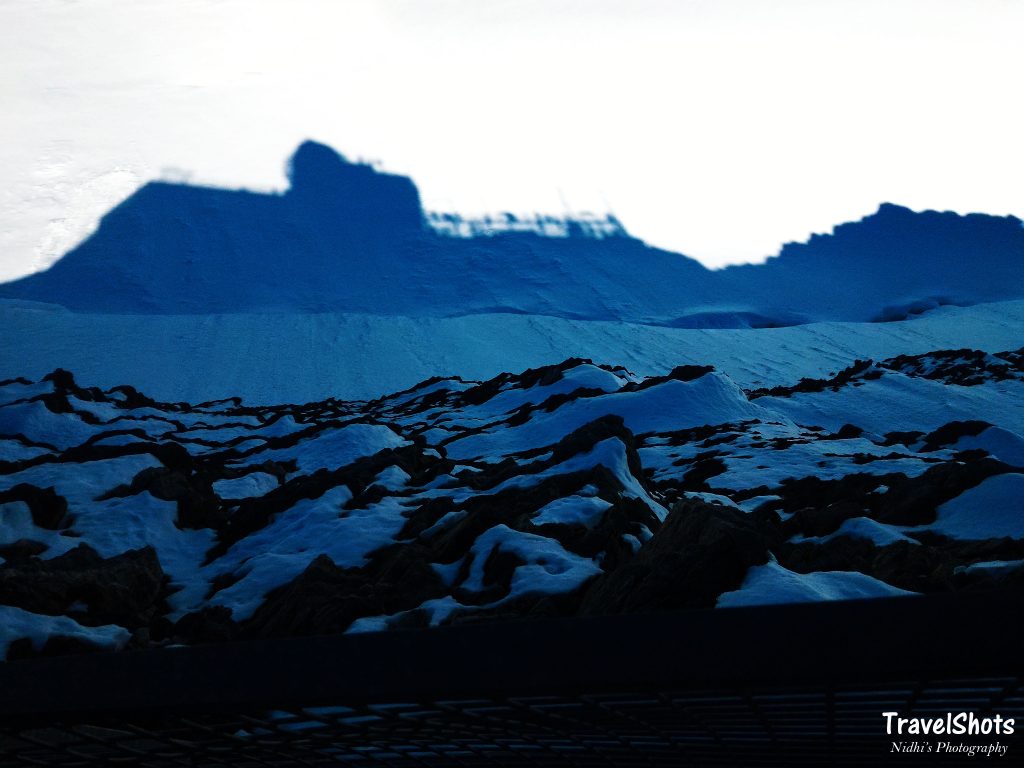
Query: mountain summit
347,238
359,200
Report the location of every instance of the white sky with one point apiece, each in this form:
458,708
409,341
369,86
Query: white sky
719,129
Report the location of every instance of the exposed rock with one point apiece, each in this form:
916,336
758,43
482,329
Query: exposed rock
701,551
903,564
210,624
49,509
913,501
859,370
56,645
127,589
327,599
21,549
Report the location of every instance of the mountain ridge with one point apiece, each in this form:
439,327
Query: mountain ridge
345,237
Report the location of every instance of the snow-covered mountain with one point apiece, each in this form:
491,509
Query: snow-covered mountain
333,439
346,238
565,490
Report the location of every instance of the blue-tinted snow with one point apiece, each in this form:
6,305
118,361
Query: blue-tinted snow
549,568
771,584
711,399
914,403
880,534
304,357
1002,443
335,447
991,567
131,522
15,450
246,486
39,424
80,483
16,624
992,509
279,552
579,509
609,453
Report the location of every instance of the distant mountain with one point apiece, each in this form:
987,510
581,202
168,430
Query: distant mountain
891,264
347,238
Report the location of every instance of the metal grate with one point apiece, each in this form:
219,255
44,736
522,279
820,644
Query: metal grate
666,690
763,727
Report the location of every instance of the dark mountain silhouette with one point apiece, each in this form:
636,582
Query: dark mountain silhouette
347,238
892,263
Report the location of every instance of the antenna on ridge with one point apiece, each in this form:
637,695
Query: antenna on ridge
565,203
614,225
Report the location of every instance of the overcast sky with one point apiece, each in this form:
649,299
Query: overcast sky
719,129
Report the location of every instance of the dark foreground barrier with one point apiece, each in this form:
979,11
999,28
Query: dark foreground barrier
767,686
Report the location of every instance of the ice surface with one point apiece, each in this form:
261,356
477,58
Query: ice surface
306,357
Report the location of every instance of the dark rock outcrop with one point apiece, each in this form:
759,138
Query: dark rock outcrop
127,589
700,551
327,599
48,508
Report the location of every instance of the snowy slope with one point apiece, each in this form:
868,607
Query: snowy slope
563,490
273,358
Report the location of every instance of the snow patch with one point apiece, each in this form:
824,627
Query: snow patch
16,624
771,584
